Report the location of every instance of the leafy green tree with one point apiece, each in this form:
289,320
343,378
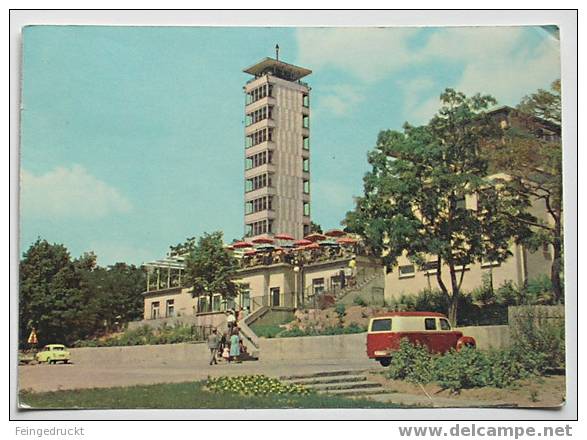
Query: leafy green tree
210,269
116,294
414,195
51,297
315,228
534,162
183,248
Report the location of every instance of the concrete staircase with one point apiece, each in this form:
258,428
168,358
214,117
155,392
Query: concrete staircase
346,383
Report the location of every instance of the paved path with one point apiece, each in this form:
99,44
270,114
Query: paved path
100,375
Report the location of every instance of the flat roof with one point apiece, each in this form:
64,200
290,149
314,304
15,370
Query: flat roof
278,68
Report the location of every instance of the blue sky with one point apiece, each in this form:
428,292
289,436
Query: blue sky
132,137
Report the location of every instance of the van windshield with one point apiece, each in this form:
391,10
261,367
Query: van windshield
381,325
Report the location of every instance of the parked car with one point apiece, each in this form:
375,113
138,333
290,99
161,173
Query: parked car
432,330
53,353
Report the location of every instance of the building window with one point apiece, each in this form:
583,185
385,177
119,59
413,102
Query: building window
259,136
260,204
155,310
306,209
306,100
306,121
258,228
216,302
306,187
318,286
306,229
170,308
258,159
306,143
306,165
430,267
259,93
275,296
260,181
258,115
407,271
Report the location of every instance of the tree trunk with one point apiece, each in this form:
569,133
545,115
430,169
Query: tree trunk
555,270
453,310
454,298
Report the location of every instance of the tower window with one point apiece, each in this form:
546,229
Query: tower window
306,143
306,209
306,165
306,187
306,100
306,121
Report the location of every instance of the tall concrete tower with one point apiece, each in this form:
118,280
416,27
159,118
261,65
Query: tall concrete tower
277,149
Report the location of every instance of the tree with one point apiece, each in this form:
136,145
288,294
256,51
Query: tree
116,294
413,201
315,228
210,269
183,248
51,297
534,161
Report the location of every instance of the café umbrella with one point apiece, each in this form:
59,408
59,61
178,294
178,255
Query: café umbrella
315,237
285,237
263,240
242,245
335,233
302,242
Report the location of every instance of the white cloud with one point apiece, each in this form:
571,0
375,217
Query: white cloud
339,99
69,193
367,53
501,61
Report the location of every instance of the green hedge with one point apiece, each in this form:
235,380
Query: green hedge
146,335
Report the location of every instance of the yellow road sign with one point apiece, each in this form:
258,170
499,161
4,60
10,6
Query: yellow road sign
33,337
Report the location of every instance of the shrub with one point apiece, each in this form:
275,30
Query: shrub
340,311
540,339
359,301
412,363
467,368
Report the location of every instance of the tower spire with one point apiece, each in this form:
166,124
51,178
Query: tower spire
277,52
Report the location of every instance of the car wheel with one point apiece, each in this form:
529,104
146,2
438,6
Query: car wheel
51,362
385,362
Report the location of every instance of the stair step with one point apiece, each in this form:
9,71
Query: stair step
323,374
326,380
358,393
345,386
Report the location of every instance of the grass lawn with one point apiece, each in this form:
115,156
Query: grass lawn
183,395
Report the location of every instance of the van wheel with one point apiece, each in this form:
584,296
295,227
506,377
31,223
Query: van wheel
385,362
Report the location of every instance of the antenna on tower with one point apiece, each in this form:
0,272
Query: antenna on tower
277,52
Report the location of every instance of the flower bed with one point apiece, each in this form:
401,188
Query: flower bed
253,385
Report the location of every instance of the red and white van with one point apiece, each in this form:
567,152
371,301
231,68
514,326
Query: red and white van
432,330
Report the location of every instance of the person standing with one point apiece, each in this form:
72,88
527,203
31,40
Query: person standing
213,343
234,346
230,320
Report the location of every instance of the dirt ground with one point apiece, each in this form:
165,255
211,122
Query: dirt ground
538,392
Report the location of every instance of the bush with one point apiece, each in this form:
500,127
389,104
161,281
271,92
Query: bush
312,331
359,301
467,368
535,334
146,335
412,363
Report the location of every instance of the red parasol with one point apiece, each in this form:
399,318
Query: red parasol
312,246
302,242
242,244
346,240
335,233
251,252
229,248
284,237
315,237
263,240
